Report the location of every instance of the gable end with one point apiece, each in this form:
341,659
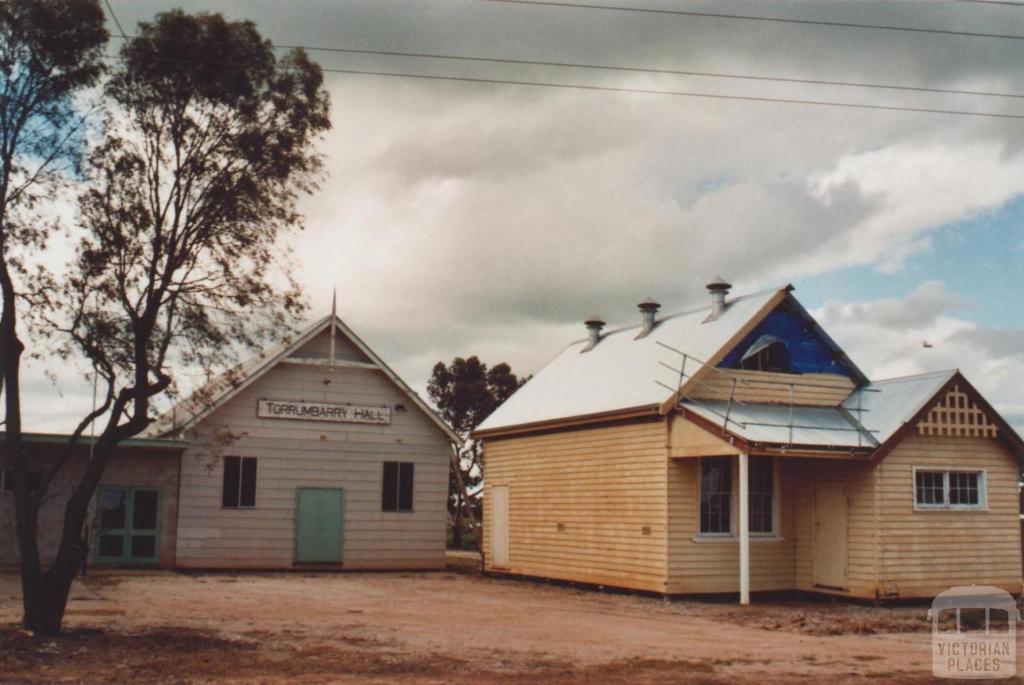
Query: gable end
956,414
943,415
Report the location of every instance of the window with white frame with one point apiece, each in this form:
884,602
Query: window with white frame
761,477
716,496
717,504
941,489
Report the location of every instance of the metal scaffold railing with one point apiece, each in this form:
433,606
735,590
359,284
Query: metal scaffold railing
690,367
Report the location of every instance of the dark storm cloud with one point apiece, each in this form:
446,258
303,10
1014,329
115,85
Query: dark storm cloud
484,219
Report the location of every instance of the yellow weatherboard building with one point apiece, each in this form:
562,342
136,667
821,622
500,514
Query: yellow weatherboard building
736,448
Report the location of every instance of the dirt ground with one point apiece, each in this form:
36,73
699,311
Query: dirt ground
445,627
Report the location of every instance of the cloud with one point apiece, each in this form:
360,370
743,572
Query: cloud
996,343
886,337
917,187
482,219
920,310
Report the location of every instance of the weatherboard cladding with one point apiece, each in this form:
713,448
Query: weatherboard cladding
222,420
314,343
617,501
295,454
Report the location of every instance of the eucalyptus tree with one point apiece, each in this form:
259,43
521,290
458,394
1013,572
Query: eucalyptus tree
210,140
50,52
467,392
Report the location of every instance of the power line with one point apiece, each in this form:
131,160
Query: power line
114,17
651,70
1008,3
651,91
681,93
749,17
642,70
644,91
637,70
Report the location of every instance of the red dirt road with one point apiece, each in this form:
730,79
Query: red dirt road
155,627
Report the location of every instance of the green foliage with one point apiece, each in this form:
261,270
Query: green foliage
209,145
466,392
49,50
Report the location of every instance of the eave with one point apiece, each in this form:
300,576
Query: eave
645,411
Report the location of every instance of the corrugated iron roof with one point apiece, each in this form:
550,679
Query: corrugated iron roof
623,372
778,424
883,406
626,373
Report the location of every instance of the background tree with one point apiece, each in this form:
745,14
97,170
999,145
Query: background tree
209,143
467,392
49,51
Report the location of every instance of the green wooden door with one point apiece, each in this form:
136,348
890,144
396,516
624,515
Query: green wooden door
128,521
318,524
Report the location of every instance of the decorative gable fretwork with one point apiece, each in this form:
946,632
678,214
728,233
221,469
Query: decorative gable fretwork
957,415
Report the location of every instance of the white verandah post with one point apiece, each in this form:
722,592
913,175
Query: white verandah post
744,528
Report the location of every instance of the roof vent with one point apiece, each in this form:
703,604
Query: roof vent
648,309
718,288
594,325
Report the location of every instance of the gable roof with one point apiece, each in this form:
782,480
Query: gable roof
624,374
908,400
882,407
204,401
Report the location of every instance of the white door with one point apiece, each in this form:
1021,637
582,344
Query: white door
499,526
830,534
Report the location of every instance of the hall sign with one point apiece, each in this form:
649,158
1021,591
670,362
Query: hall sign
320,411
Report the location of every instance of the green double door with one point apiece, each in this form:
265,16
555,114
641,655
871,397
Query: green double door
128,525
319,516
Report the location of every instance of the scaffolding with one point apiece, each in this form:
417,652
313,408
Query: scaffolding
864,436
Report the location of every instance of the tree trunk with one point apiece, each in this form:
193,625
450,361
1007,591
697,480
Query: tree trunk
457,526
46,600
45,594
26,507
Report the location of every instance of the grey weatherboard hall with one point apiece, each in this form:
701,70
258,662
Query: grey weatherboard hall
313,453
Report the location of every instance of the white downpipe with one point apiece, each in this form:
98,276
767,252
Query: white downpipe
744,529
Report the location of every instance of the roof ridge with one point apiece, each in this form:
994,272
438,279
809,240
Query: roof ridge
685,312
927,374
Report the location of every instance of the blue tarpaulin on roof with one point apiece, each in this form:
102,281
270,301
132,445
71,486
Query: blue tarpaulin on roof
808,351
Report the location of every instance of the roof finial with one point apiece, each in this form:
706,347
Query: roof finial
334,317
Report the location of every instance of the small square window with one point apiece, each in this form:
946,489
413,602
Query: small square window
963,488
929,488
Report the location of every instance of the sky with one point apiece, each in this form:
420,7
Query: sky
482,219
